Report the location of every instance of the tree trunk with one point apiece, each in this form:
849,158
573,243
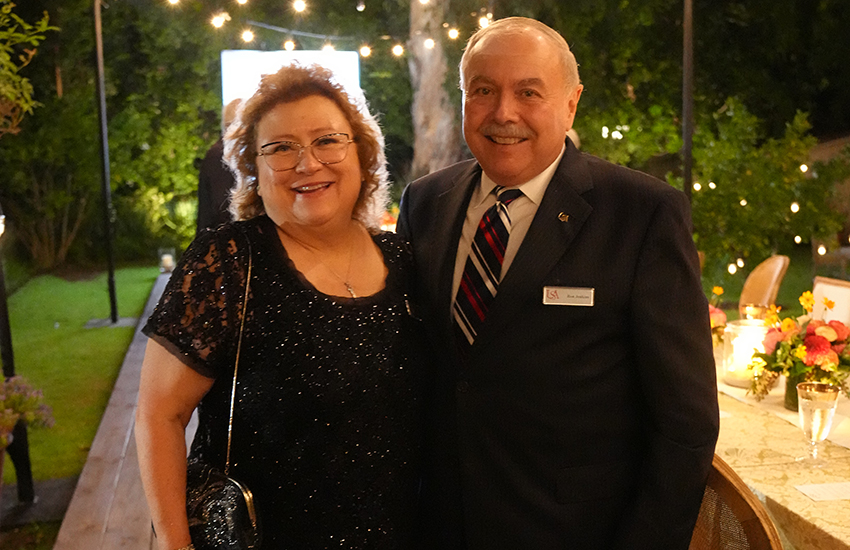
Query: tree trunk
436,141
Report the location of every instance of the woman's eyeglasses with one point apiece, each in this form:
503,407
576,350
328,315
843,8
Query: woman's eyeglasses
285,155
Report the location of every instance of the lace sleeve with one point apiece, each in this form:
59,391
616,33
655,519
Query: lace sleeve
198,314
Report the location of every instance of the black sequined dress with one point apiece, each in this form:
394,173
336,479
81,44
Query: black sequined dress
327,422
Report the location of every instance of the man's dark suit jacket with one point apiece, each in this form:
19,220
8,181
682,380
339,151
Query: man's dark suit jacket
214,183
567,426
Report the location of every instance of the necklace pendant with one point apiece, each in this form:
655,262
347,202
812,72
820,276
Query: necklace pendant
349,289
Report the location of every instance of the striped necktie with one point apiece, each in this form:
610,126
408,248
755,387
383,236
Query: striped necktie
483,267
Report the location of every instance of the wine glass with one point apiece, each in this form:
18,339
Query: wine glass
816,404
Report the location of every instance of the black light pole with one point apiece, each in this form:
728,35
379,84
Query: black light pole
108,213
19,449
688,98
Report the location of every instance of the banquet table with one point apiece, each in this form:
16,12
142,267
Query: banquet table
761,440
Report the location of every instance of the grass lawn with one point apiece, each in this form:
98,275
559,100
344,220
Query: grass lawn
74,366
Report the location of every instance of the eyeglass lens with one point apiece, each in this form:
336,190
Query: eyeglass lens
285,155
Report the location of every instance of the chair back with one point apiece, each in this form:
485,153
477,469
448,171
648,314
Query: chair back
731,517
835,290
762,284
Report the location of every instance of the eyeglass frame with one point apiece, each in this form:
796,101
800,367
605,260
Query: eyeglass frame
302,148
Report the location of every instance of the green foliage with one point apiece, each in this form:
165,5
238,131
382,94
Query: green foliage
748,186
15,90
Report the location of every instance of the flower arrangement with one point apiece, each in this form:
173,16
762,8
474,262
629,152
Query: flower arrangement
802,347
717,316
20,401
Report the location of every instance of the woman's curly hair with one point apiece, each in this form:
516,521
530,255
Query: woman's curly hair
292,83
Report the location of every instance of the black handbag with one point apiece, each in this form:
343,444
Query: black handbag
221,510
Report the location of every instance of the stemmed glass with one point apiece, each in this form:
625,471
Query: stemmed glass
816,405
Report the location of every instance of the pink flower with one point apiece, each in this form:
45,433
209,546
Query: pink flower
840,329
816,347
772,339
717,316
838,348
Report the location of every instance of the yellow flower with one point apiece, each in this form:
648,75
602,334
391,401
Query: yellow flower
718,290
771,318
828,303
757,365
800,352
788,325
807,300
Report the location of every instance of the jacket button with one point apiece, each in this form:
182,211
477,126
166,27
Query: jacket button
463,386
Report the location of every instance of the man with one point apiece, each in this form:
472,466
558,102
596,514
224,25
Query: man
215,179
578,407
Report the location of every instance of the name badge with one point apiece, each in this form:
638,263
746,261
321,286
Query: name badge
567,296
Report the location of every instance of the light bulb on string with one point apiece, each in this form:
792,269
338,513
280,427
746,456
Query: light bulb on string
219,19
483,22
299,5
361,5
289,45
454,33
247,36
429,43
241,2
365,51
398,50
328,47
173,2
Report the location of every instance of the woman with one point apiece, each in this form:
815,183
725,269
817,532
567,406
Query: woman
326,422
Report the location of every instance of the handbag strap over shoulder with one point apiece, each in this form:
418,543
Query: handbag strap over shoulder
236,362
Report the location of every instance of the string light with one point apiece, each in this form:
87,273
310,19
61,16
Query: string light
423,2
711,185
365,51
732,269
798,239
173,2
795,207
328,47
804,168
289,45
454,33
743,202
299,5
483,22
398,50
242,2
821,250
361,5
429,43
740,262
697,186
219,19
247,36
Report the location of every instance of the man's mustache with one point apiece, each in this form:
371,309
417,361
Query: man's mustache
506,130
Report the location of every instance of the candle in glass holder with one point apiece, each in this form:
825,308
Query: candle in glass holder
741,339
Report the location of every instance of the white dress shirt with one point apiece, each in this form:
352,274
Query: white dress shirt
521,210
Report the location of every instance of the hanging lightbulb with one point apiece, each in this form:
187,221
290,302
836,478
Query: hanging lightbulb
697,186
361,5
795,207
398,50
365,51
429,43
242,2
173,2
821,250
247,36
743,202
483,22
299,5
740,262
328,47
712,185
804,168
454,33
289,45
798,239
219,19
732,269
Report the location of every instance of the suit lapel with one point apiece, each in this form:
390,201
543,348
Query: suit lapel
451,205
546,242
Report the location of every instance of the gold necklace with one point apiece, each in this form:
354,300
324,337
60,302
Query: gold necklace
343,280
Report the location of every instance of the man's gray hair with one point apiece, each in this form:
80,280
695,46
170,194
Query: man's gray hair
520,25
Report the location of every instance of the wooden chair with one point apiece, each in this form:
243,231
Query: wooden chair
731,517
762,284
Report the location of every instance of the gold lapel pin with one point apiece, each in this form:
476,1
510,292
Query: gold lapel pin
563,217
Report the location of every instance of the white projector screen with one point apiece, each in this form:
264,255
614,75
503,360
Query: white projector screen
241,69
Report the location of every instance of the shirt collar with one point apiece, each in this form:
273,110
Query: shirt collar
534,188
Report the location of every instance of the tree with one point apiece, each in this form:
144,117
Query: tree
15,90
